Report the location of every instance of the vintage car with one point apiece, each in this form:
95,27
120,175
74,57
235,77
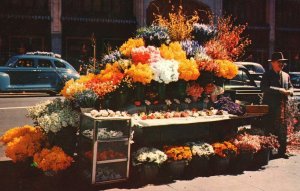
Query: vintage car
38,71
256,70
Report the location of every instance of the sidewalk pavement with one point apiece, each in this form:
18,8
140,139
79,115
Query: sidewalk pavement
280,175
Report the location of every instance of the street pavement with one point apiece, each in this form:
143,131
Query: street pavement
13,110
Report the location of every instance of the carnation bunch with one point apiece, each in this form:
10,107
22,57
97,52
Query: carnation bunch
54,159
269,142
165,71
178,152
111,73
127,47
140,55
202,149
247,143
225,149
149,155
101,88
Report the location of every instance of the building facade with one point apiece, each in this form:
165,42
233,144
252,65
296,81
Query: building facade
66,26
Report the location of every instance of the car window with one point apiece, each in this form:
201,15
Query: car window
25,63
240,79
59,64
43,63
11,61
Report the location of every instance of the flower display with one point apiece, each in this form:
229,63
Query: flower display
127,47
188,70
101,88
203,33
111,73
111,57
247,143
202,149
165,71
140,73
22,142
149,155
173,51
226,104
190,47
269,142
86,99
140,55
225,149
178,152
209,88
227,69
194,90
205,62
154,35
72,87
54,159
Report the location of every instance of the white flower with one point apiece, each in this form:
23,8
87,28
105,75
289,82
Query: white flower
177,101
147,102
168,102
149,155
187,100
202,149
165,71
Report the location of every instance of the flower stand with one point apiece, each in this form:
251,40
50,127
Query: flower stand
198,166
242,161
148,172
220,165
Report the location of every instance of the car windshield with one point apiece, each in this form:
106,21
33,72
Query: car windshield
11,61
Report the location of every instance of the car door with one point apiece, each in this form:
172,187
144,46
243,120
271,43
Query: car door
47,76
22,75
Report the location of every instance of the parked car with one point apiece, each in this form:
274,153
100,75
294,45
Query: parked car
295,79
256,70
38,71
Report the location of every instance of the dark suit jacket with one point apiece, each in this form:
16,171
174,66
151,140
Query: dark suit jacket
270,83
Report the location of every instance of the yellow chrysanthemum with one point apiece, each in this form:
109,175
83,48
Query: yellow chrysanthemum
127,47
188,70
173,51
140,73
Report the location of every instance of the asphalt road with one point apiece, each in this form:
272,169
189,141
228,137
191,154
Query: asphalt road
13,108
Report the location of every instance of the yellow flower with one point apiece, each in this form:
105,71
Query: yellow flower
127,47
72,87
173,51
140,73
227,69
188,70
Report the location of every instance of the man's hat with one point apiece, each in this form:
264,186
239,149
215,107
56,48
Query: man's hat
277,56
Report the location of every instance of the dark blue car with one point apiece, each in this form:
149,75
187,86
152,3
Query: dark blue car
37,71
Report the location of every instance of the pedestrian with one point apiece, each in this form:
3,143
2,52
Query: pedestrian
276,87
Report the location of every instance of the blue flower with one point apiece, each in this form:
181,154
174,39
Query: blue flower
203,33
191,47
154,35
111,58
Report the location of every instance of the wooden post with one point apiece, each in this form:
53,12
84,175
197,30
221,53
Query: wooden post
93,39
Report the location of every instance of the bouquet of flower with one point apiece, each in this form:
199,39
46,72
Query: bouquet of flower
226,104
154,35
165,71
72,87
225,149
22,142
190,47
202,149
111,73
194,89
227,69
173,51
149,155
188,70
203,33
140,55
86,99
101,88
127,47
247,143
53,159
178,152
269,142
111,57
140,73
205,62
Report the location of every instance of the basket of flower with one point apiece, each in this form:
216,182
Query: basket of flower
224,151
148,160
247,145
178,157
202,152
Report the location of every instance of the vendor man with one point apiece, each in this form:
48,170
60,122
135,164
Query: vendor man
276,87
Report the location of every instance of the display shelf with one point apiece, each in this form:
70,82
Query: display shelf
112,161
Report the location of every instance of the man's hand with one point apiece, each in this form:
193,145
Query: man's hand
285,92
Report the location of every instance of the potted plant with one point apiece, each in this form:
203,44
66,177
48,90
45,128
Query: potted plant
178,157
247,145
224,151
148,161
267,144
202,152
86,100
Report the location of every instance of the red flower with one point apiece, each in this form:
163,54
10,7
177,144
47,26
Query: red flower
155,102
137,103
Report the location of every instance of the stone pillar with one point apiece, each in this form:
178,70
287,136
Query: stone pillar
56,26
216,6
271,20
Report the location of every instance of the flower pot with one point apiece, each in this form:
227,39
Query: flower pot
198,165
139,92
86,109
219,165
243,161
120,100
148,172
176,168
161,91
181,88
261,158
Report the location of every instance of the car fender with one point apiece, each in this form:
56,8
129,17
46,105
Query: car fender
4,81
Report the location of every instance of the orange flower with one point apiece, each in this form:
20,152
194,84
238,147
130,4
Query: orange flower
71,88
140,73
188,70
173,51
178,152
227,69
54,159
224,149
127,47
111,73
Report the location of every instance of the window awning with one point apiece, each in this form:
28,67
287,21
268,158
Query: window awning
99,20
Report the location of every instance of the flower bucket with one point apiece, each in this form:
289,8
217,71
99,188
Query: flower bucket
242,161
139,92
176,168
198,165
86,110
120,100
220,165
262,157
148,172
161,91
181,88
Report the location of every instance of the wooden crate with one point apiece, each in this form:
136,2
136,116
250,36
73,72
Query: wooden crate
257,109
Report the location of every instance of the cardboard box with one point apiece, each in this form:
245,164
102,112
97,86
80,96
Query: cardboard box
257,109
